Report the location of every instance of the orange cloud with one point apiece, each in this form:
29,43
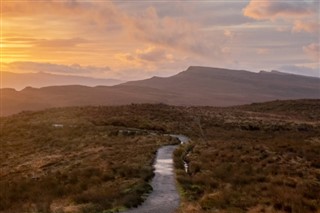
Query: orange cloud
148,35
99,14
262,10
313,50
262,51
146,58
306,26
74,69
147,26
301,15
102,21
229,34
56,43
168,32
154,54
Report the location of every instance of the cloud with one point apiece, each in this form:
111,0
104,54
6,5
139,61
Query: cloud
313,50
132,73
74,69
102,14
172,33
262,51
72,42
146,26
69,42
310,27
151,61
301,15
283,28
154,54
150,36
301,70
149,57
229,34
264,10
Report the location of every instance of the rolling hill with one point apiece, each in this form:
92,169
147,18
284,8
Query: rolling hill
41,79
196,86
221,87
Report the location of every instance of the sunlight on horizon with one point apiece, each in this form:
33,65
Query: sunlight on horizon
143,39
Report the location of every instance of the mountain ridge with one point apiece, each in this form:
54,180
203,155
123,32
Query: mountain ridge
197,86
42,79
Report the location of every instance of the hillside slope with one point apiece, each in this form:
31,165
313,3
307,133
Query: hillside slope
216,86
196,86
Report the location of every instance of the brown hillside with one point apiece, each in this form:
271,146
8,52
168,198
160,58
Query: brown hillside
194,87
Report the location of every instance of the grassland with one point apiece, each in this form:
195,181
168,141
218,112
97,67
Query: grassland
254,158
64,160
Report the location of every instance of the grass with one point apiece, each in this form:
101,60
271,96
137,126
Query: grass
254,158
83,165
252,161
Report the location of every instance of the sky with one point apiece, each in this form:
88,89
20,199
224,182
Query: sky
135,39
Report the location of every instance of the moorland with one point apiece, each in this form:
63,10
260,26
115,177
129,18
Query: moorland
261,157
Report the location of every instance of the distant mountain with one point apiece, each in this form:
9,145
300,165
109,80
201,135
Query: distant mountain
195,86
222,87
21,80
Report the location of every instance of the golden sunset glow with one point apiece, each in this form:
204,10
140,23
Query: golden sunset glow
142,39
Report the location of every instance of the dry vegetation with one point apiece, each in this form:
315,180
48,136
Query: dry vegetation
82,166
254,158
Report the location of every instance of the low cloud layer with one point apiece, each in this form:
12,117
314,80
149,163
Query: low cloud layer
74,69
301,70
306,26
313,50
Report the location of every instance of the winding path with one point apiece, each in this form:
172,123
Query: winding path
165,197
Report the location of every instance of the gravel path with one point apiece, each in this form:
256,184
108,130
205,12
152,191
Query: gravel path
164,197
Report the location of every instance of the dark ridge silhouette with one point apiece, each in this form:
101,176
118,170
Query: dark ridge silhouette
197,86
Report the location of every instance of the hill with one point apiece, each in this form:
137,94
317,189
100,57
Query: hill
194,87
223,87
41,79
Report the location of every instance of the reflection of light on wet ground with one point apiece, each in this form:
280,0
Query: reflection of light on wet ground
164,166
164,197
183,139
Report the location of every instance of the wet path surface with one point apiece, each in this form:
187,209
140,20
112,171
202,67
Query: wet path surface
164,198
